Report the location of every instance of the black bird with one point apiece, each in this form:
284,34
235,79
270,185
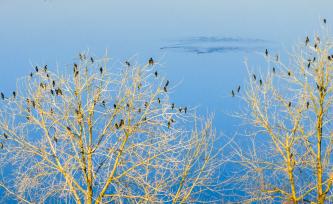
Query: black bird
51,110
121,123
238,89
55,139
289,104
146,104
273,69
52,92
156,73
127,105
260,82
114,106
307,104
127,63
277,57
180,110
2,96
116,125
318,87
14,94
74,67
289,73
254,77
314,59
185,109
145,118
31,74
36,68
169,124
266,52
172,106
53,83
47,75
92,59
324,20
232,93
158,100
33,104
309,64
307,40
45,68
68,128
76,74
151,61
101,70
103,103
315,45
165,89
5,135
167,83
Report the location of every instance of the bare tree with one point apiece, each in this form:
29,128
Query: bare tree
91,134
289,110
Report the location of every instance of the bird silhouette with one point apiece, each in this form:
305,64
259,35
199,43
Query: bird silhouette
315,45
172,106
2,96
121,123
185,109
47,75
76,74
14,94
31,74
165,89
289,104
68,128
5,135
254,77
101,70
116,125
34,104
167,83
52,92
238,89
180,110
151,61
103,103
55,139
273,69
92,59
159,100
309,64
289,73
266,52
314,59
277,57
169,124
146,104
324,20
307,104
53,83
307,40
156,73
114,106
45,68
127,63
260,82
232,93
36,68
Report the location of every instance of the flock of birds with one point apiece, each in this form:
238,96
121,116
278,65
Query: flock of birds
307,41
57,91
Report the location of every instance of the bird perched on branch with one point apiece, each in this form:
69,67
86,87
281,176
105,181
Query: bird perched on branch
2,96
151,61
307,40
266,52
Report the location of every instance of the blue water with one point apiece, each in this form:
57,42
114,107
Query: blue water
200,44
